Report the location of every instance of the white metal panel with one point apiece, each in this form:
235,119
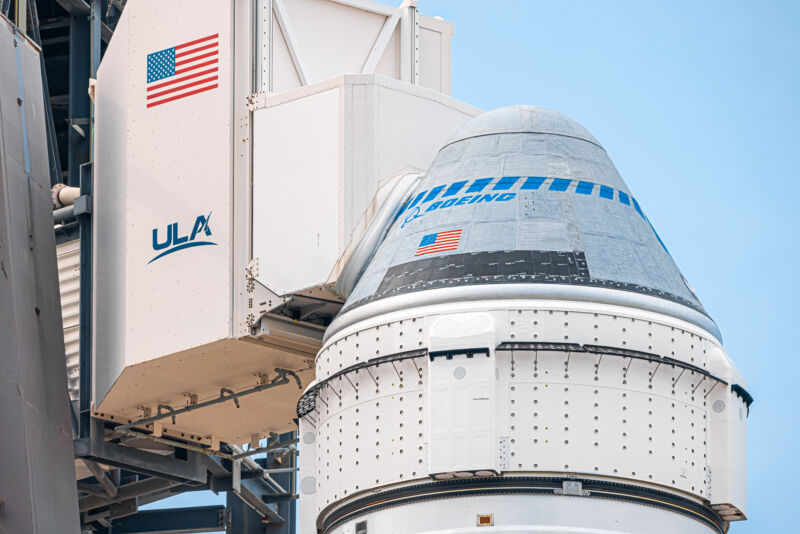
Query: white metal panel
111,170
313,40
335,38
307,477
69,272
461,421
434,53
296,157
554,411
182,299
727,443
389,64
362,130
525,514
371,429
649,331
285,75
159,169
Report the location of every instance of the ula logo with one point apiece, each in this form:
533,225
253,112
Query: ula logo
173,242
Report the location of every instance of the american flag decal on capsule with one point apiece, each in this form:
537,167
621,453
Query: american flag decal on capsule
183,70
439,242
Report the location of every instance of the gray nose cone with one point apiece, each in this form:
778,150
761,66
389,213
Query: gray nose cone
523,119
524,202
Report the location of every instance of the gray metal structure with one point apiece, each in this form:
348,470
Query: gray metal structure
36,467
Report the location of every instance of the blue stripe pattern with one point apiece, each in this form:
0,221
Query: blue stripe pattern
454,188
584,188
533,182
505,183
435,191
560,184
478,185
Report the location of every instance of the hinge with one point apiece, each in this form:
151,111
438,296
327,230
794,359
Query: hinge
572,487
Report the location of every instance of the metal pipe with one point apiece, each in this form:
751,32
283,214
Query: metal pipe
225,395
253,465
98,473
282,470
64,195
67,195
209,452
284,447
63,214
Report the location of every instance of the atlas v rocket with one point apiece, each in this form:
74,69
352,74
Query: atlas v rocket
521,353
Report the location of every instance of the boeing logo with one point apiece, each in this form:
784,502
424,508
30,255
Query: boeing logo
477,193
173,242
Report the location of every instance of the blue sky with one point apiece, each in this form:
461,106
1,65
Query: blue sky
698,105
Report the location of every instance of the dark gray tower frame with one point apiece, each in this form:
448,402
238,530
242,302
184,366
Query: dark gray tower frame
37,481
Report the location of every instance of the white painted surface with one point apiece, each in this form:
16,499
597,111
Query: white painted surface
727,440
553,411
526,514
461,414
462,395
155,167
296,156
320,155
314,40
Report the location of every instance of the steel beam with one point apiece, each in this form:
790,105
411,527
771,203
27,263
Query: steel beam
85,308
74,7
248,499
286,507
126,493
52,141
102,478
96,24
91,489
79,8
95,448
79,104
174,521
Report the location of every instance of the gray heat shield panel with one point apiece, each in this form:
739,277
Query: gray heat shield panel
522,195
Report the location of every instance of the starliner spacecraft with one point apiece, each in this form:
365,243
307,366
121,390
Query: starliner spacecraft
521,352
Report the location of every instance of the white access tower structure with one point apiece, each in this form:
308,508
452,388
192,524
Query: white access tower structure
468,314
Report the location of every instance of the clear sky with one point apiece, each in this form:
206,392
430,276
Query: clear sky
698,105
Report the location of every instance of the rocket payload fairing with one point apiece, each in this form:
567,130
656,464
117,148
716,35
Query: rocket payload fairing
521,353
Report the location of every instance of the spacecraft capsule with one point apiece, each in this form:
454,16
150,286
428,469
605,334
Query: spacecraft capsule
521,352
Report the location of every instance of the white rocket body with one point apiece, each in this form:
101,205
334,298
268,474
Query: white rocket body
522,354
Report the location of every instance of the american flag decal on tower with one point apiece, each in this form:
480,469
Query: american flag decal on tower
183,70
